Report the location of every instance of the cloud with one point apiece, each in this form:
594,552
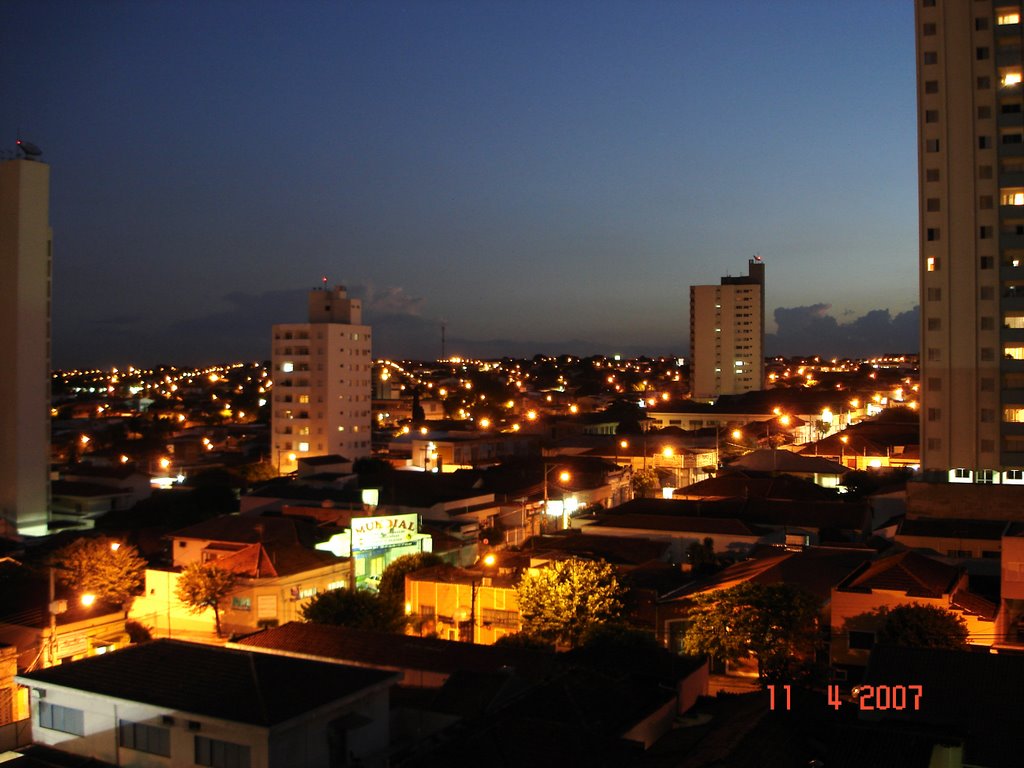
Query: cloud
811,330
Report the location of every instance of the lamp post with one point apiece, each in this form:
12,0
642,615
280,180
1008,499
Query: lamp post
563,476
487,562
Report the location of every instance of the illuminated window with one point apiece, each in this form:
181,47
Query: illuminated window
287,367
303,447
960,475
1010,77
1013,353
933,263
1014,321
1007,17
1014,414
303,398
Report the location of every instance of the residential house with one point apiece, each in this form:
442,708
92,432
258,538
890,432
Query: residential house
169,702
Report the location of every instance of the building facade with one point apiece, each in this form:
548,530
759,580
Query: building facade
322,382
25,266
971,186
727,335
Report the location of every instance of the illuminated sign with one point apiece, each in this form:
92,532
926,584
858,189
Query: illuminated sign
384,531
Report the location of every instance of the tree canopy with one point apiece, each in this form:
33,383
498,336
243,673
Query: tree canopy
777,623
923,626
359,609
205,585
560,603
392,580
112,571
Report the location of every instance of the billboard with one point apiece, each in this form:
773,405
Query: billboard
383,531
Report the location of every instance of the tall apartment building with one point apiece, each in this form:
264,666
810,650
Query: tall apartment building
321,372
25,260
727,335
971,182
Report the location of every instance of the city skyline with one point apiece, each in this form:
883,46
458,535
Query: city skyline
540,177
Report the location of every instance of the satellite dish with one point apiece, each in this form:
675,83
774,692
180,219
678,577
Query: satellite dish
30,149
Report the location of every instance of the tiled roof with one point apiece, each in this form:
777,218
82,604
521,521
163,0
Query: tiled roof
755,485
678,523
273,560
969,602
786,461
907,571
392,651
238,686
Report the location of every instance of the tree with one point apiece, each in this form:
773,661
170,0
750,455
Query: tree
392,580
777,623
923,626
112,571
205,585
560,603
358,609
645,483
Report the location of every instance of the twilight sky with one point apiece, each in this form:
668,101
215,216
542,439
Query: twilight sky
543,176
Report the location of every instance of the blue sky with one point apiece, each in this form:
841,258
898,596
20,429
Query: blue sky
546,176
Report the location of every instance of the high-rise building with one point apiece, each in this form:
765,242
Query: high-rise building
322,389
25,253
971,186
727,335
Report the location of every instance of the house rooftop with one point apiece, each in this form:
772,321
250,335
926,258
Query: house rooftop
907,571
392,651
238,686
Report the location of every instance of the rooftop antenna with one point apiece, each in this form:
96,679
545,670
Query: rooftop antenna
30,150
323,281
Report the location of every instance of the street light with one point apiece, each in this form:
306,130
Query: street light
487,561
564,477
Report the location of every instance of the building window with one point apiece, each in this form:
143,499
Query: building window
986,202
1010,108
1010,77
988,354
985,233
932,204
931,145
988,384
984,171
928,30
981,53
1011,413
931,174
960,475
981,23
1013,353
987,293
287,367
221,754
934,443
987,324
987,415
984,113
1012,137
984,83
241,603
935,384
934,294
63,719
1007,17
931,86
931,234
932,263
931,115
1013,321
145,738
984,142
1016,475
934,414
986,262
930,57
934,354
934,324
860,641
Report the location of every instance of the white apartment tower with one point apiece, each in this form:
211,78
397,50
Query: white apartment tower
322,382
727,335
971,186
25,260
